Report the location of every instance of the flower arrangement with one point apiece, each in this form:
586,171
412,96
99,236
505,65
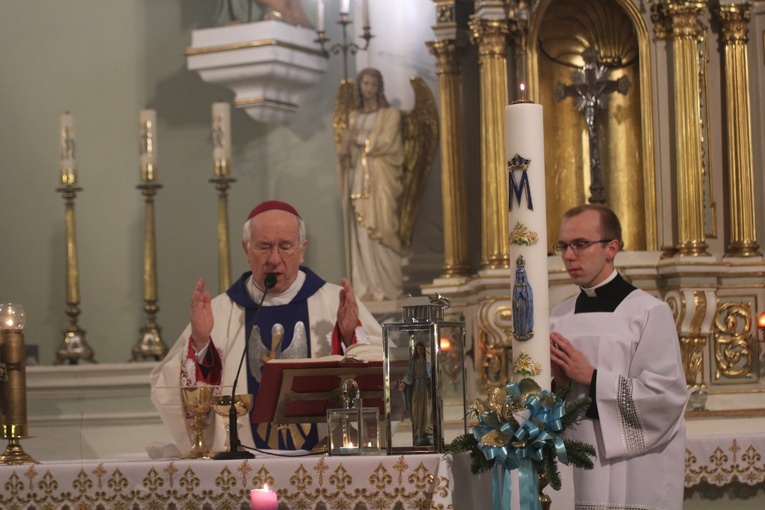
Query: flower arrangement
519,427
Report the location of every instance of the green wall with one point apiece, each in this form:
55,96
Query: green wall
104,60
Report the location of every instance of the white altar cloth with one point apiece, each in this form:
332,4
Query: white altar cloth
722,459
302,483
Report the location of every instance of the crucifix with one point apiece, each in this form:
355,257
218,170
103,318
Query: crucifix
590,91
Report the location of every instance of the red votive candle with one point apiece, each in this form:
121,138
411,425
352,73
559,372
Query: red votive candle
263,499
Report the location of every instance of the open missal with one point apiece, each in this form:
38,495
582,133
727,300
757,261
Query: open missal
301,391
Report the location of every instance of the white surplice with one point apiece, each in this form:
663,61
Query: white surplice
641,396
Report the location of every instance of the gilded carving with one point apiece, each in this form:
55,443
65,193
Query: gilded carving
445,13
490,36
495,326
699,311
677,306
692,353
734,350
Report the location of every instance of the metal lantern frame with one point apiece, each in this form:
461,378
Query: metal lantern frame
413,331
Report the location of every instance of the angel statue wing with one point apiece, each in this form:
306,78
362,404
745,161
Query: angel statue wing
344,103
419,131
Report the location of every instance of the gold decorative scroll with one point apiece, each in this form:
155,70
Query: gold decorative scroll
692,353
734,348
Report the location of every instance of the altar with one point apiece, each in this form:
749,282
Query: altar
102,412
312,482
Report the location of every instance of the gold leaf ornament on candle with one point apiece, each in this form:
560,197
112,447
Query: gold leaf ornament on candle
147,132
67,149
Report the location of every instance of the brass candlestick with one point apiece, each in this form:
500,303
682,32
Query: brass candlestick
13,385
222,181
150,344
74,347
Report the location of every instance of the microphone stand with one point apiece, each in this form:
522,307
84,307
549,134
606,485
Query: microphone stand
234,451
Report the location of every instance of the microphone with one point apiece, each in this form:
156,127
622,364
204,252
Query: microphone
234,451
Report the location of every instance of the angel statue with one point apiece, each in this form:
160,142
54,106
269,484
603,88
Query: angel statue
384,160
230,12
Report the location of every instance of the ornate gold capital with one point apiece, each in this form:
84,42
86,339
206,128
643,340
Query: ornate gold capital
676,19
446,53
490,35
734,20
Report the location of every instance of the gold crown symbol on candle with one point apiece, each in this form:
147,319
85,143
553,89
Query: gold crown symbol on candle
518,163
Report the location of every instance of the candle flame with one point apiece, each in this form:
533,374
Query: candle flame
265,487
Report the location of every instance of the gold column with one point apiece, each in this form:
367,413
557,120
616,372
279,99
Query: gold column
452,163
490,35
678,21
734,20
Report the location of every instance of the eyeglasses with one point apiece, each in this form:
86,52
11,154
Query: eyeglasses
283,249
577,246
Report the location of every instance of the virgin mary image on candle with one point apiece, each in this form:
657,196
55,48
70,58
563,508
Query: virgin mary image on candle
416,384
523,304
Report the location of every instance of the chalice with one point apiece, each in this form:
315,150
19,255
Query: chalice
222,405
197,403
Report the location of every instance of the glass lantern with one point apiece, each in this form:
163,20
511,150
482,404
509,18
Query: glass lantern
353,429
424,371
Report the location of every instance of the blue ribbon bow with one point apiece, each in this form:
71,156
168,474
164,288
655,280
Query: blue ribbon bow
524,439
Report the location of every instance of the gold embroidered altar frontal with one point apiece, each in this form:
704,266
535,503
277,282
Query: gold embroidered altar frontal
301,483
722,459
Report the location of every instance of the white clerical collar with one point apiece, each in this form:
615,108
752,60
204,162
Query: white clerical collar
276,299
590,291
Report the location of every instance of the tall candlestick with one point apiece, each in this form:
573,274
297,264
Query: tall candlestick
528,235
67,149
147,130
263,499
221,133
345,6
320,15
365,13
